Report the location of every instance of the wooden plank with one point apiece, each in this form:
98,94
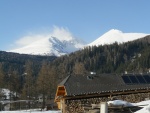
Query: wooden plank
87,108
95,106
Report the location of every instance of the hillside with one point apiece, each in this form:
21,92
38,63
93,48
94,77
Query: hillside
17,62
14,65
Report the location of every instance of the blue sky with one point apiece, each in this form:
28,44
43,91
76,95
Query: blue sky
85,19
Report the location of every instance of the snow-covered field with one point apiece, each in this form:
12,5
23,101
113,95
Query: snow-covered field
32,111
144,104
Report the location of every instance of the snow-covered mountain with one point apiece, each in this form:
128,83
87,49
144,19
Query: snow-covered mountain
50,45
116,36
58,45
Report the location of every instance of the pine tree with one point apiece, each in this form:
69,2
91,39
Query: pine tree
29,87
2,83
43,83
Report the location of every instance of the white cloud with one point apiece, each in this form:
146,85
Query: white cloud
59,32
28,40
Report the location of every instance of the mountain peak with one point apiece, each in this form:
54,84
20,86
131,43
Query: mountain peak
115,35
52,46
114,31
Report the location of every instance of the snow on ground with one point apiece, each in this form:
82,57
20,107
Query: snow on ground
146,108
144,104
32,111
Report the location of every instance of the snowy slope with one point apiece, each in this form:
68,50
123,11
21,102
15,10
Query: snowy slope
50,45
116,36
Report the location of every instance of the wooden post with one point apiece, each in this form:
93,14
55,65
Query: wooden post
61,105
104,107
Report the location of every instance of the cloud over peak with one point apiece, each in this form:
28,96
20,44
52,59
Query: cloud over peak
59,32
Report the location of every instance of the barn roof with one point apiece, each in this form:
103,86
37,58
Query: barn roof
92,84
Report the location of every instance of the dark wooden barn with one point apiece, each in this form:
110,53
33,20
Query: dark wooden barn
75,91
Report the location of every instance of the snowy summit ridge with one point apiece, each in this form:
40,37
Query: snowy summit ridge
51,46
115,35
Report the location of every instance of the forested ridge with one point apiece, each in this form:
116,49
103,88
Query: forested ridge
31,75
132,56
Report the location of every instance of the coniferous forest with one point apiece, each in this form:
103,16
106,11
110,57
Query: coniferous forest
31,75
